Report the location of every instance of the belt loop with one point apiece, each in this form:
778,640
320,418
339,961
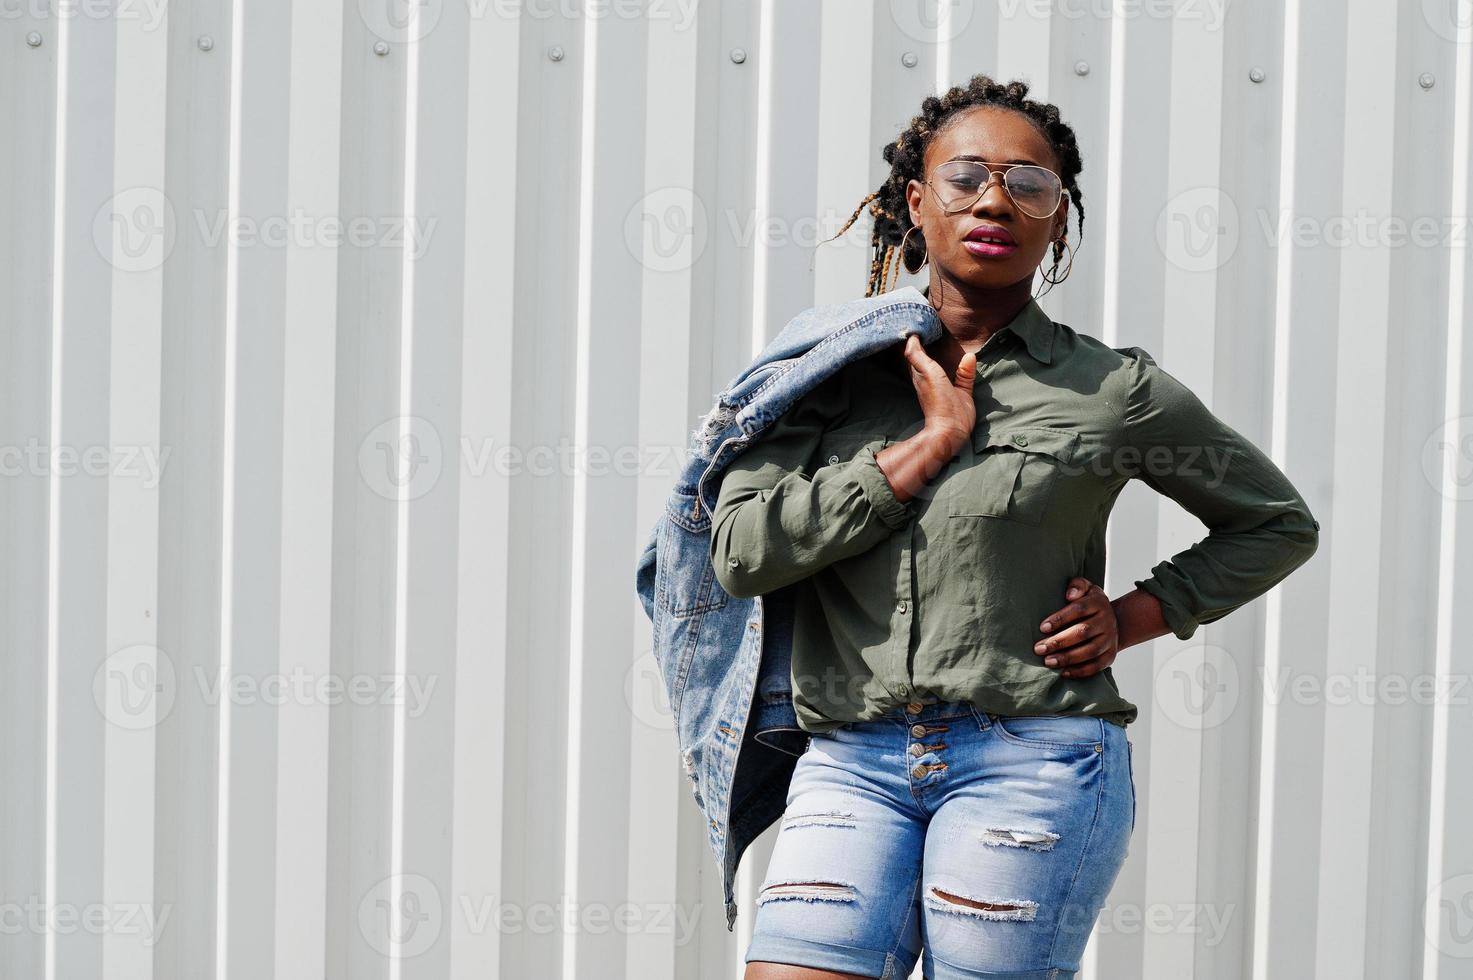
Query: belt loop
983,722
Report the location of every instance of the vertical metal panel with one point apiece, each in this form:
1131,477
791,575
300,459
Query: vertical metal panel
310,327
130,780
668,226
254,392
485,715
375,463
77,511
386,454
543,351
28,181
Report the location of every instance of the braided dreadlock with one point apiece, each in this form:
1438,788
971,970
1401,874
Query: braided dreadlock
906,157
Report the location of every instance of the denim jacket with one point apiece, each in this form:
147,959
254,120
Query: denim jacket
726,661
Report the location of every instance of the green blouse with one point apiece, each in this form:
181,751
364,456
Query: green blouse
942,595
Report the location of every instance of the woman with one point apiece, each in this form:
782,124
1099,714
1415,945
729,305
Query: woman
967,793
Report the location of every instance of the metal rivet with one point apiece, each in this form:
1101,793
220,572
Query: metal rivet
738,56
555,53
1099,747
1256,75
381,48
909,59
205,42
33,39
1426,80
1081,67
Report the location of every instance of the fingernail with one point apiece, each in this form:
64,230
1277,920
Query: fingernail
1046,626
1039,648
1051,661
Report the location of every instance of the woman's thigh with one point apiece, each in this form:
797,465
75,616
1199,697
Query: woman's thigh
840,892
1028,834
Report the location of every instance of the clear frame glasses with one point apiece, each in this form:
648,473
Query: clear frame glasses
958,184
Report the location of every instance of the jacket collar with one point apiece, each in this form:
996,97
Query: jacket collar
1032,324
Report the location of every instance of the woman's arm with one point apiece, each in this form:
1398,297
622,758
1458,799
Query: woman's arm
1138,618
1259,527
777,520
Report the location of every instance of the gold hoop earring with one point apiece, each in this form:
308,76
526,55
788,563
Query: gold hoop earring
1067,268
926,254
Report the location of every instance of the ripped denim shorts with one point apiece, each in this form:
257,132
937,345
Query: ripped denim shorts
984,845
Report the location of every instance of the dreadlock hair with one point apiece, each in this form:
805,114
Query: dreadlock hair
906,157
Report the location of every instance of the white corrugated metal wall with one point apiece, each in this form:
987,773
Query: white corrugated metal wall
349,350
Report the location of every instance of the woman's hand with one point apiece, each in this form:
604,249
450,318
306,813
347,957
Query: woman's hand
948,405
1082,638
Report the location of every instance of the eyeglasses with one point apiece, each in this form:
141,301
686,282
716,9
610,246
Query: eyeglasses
959,184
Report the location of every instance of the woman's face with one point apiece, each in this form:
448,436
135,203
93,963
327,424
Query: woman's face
998,136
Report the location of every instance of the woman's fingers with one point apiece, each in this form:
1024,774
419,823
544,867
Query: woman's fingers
1086,659
1064,642
1093,663
1079,638
966,371
1073,612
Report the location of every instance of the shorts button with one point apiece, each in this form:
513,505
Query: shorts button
919,731
916,748
919,771
914,707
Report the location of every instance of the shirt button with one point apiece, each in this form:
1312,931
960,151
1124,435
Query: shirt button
834,458
902,606
1020,439
902,689
732,562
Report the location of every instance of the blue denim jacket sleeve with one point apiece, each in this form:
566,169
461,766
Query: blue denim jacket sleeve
778,520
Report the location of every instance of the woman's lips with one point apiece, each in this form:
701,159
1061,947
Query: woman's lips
989,250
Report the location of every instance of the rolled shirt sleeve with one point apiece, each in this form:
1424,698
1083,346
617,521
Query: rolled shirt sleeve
778,520
1259,527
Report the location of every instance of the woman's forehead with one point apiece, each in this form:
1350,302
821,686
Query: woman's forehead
994,135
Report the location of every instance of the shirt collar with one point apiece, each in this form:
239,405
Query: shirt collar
1032,324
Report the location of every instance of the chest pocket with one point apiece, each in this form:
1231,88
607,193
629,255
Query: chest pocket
1013,473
